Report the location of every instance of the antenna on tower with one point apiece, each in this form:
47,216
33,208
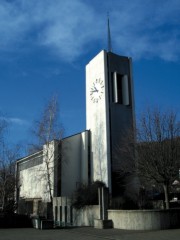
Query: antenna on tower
109,34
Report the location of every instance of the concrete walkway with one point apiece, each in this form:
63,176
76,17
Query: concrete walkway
87,233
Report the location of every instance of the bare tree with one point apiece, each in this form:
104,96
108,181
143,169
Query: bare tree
158,149
47,129
3,127
152,151
7,178
7,170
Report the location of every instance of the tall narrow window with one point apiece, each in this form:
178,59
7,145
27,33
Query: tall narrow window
125,90
115,88
120,89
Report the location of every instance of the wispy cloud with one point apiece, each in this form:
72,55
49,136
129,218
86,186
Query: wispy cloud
17,121
149,28
142,29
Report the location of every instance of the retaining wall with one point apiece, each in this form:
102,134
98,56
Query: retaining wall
145,219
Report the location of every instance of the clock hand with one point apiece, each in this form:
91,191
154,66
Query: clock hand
94,89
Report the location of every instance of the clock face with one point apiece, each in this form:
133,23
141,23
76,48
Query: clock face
97,90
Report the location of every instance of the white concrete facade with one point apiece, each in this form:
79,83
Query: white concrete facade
67,169
32,174
74,170
97,118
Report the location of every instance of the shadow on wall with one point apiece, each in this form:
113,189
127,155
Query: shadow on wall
35,207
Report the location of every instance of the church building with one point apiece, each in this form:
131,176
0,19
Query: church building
90,155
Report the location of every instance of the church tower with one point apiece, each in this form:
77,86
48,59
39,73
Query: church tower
109,111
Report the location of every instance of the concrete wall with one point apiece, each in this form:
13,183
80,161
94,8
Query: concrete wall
74,169
66,173
145,219
86,216
97,117
85,171
65,215
32,173
121,114
30,182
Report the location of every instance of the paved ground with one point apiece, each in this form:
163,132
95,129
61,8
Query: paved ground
87,233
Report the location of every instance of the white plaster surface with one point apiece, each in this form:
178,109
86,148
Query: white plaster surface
97,120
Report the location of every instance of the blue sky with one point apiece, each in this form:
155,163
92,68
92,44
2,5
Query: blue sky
45,45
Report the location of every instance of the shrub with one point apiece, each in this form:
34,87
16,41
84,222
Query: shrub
86,195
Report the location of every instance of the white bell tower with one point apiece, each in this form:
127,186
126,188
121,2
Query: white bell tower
109,111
